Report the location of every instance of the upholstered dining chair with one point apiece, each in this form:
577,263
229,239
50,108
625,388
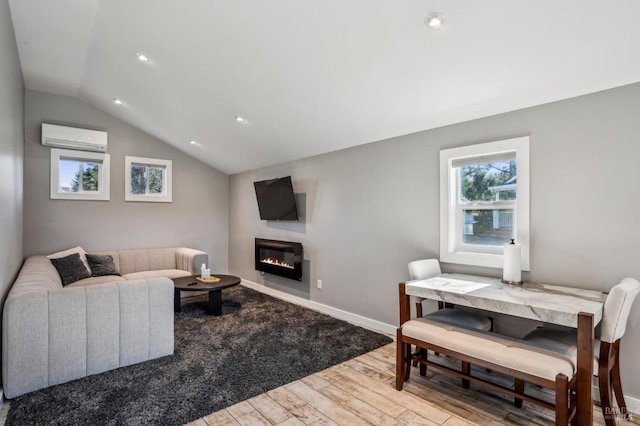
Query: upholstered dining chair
606,362
428,268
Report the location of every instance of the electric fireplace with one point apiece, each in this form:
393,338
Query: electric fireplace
283,258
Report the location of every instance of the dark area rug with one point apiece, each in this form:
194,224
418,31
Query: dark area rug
258,344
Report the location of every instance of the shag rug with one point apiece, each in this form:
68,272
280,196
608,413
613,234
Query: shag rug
258,344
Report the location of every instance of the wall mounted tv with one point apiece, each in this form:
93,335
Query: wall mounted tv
276,200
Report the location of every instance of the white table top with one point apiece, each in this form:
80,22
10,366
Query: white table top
541,302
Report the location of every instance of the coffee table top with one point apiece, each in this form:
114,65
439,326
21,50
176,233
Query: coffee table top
191,284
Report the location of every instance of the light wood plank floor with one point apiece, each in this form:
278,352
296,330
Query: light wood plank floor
362,392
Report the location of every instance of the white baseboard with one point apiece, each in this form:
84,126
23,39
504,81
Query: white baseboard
359,320
633,404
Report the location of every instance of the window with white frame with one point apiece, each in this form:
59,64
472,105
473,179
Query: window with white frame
148,179
484,202
79,175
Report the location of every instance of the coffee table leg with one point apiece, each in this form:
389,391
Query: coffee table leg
215,302
176,301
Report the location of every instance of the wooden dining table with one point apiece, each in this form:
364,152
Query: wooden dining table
567,306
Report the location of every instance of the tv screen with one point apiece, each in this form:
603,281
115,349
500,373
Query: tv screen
276,200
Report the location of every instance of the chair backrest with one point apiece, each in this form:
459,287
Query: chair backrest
424,268
617,308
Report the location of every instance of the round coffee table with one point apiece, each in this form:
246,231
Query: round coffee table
215,290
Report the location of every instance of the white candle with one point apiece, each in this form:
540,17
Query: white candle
511,271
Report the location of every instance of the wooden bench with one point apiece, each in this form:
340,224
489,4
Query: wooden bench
523,361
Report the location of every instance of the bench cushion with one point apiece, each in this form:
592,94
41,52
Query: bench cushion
492,347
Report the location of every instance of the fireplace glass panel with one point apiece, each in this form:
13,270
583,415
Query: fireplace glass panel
281,258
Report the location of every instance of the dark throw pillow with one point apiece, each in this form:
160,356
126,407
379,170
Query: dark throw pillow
71,268
101,265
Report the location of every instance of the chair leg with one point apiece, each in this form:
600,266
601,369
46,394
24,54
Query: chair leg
423,366
605,399
604,382
491,330
415,356
573,407
518,387
407,361
617,383
402,360
466,369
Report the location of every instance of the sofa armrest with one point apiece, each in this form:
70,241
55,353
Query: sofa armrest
191,260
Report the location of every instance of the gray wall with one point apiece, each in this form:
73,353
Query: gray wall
11,153
197,217
371,209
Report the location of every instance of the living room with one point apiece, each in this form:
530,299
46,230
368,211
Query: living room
365,210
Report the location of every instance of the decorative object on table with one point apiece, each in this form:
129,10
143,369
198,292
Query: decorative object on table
205,273
208,280
511,272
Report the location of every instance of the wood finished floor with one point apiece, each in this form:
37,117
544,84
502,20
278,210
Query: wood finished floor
362,392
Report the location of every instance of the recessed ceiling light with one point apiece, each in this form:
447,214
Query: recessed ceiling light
434,20
142,57
193,142
117,101
241,119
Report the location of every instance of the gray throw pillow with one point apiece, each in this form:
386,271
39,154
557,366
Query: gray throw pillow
71,268
102,265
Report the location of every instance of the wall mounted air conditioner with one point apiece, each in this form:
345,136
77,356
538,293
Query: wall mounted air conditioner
73,138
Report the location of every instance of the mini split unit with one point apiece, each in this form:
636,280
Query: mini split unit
73,138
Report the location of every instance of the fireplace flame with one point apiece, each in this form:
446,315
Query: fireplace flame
277,262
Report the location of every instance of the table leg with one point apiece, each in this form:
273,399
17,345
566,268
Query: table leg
584,385
176,301
215,302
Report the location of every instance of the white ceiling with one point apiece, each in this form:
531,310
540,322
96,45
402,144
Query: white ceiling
317,76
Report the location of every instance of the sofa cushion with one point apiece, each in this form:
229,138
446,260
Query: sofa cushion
147,260
97,280
102,265
70,268
114,255
169,273
67,252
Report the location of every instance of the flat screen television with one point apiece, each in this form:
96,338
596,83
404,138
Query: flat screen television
276,200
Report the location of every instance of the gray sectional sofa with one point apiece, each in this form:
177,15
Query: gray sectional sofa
53,334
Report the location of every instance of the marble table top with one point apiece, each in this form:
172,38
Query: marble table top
541,302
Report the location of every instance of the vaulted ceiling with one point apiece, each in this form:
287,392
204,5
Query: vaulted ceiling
312,77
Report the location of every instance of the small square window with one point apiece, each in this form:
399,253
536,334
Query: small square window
148,179
79,175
